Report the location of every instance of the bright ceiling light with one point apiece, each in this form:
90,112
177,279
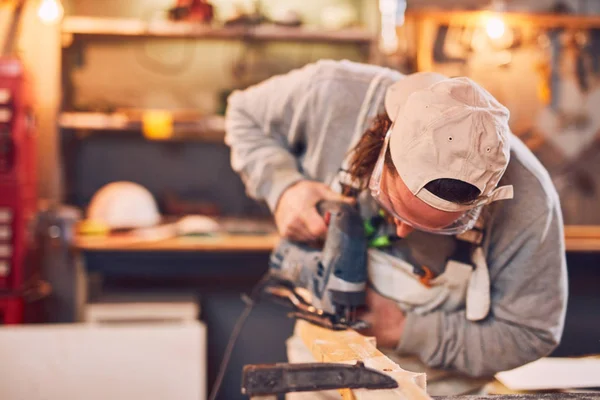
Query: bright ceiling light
50,11
495,27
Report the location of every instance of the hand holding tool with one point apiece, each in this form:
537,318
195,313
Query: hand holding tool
324,285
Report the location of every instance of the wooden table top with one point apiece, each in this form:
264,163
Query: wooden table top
225,242
580,238
577,239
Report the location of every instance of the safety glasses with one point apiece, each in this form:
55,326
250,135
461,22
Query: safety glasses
462,224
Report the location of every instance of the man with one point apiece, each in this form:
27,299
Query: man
436,156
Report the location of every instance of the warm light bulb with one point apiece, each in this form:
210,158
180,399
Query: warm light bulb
50,11
495,27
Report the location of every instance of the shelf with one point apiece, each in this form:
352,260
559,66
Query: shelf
94,26
210,128
582,238
539,20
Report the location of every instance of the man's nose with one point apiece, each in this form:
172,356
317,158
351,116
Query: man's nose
403,229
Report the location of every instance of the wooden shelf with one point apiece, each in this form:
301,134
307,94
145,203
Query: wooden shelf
210,128
93,26
582,238
540,20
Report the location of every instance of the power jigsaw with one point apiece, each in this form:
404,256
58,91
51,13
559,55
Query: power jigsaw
324,284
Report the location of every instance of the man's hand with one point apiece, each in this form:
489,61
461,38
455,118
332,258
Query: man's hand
296,215
386,320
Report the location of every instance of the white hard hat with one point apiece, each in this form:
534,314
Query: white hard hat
124,205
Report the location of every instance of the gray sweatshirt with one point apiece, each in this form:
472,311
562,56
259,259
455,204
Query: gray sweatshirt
299,126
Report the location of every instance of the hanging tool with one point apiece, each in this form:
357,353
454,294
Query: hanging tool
325,286
268,380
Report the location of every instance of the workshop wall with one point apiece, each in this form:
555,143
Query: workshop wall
178,73
110,73
550,81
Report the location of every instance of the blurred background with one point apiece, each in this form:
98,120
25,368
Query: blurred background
125,237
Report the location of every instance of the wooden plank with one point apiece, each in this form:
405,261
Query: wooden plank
348,347
582,238
170,29
582,244
573,240
582,231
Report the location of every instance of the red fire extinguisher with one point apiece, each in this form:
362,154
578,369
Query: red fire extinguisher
18,180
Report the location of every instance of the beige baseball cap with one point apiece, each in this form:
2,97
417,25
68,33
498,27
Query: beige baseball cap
448,128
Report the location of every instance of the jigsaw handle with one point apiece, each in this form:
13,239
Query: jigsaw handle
344,255
336,273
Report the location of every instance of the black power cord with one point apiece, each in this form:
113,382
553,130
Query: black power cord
250,301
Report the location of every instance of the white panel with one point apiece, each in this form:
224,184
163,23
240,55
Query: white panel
550,373
99,362
152,308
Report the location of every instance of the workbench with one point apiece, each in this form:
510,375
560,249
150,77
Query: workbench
224,242
577,239
216,269
222,267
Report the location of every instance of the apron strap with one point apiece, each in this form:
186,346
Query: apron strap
478,292
470,252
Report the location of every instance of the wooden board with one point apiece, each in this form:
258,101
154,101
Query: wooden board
348,347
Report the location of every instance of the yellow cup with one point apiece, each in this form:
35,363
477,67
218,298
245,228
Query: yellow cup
157,124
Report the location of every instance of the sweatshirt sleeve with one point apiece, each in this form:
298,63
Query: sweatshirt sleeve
526,259
265,125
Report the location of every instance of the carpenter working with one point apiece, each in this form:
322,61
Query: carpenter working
466,256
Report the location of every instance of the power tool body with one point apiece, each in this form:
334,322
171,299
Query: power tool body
324,284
